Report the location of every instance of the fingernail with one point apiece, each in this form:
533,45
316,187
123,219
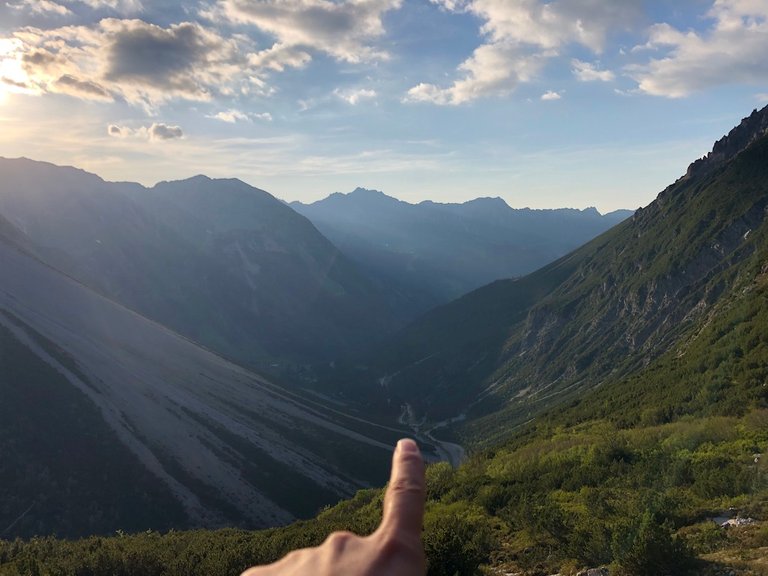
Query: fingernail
408,445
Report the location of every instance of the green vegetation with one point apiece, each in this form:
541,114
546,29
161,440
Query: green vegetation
594,494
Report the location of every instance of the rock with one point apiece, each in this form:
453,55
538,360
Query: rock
750,129
594,572
737,522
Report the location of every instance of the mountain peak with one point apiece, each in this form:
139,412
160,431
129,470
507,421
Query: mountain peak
370,195
367,192
487,201
750,129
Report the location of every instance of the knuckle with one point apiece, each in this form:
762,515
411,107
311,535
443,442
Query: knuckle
295,555
406,486
338,541
394,546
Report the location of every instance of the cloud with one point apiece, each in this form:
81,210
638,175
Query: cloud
13,83
232,116
279,57
557,23
12,73
68,84
730,51
354,97
165,132
155,132
762,97
449,5
520,38
344,29
120,6
588,72
550,95
492,70
42,7
142,63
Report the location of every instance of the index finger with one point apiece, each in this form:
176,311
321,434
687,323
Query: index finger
404,499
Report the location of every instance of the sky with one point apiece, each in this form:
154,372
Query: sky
559,103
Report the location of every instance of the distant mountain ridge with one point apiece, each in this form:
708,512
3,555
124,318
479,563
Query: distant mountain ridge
435,252
224,263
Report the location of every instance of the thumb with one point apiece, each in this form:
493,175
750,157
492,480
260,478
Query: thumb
404,499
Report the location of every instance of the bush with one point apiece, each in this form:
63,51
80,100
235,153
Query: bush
457,539
650,549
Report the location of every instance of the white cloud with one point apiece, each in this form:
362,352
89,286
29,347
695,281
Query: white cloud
142,63
762,97
557,23
232,116
492,70
42,7
344,29
156,132
354,97
520,37
123,6
731,51
279,57
589,72
551,95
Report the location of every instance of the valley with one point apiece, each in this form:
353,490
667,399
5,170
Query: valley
597,412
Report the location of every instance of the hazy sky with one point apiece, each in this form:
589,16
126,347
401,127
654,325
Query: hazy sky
545,103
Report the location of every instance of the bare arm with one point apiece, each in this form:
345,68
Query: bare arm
395,547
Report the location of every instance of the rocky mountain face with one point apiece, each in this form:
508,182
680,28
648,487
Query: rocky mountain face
221,262
111,421
606,309
435,252
752,128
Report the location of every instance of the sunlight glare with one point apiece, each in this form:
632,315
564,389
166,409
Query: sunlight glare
13,78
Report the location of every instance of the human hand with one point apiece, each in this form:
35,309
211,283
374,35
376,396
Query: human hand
394,548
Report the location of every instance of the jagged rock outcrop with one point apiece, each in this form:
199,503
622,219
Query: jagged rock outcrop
751,129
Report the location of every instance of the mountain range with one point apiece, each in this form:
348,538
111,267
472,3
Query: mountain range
132,320
219,261
433,252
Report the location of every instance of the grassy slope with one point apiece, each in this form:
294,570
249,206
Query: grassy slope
596,315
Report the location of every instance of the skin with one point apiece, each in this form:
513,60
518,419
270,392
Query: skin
394,548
